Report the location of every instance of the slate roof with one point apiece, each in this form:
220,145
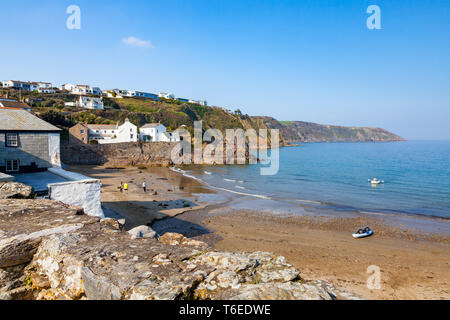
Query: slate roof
13,104
151,125
21,120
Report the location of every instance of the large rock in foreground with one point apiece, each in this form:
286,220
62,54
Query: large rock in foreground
50,251
15,190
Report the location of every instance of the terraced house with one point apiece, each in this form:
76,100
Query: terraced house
27,143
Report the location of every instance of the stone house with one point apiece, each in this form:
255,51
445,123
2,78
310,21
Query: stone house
27,143
80,133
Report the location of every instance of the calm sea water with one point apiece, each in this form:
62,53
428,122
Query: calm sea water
334,176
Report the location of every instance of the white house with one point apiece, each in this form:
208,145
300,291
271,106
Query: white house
28,86
156,132
82,89
46,90
169,137
67,86
166,95
200,102
104,134
90,103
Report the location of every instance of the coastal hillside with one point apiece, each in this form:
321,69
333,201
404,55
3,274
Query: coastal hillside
300,131
173,114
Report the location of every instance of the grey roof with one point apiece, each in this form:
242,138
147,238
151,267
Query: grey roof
21,120
151,125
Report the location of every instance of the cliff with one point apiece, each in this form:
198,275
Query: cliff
49,251
299,131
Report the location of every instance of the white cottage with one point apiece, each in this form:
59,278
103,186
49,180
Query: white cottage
104,134
156,132
90,103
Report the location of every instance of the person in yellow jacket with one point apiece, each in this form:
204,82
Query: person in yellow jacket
125,186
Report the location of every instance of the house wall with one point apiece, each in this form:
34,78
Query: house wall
33,152
84,193
154,133
79,133
126,133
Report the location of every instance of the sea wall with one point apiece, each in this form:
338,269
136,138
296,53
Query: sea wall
119,154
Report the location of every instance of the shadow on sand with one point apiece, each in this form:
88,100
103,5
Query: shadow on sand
161,216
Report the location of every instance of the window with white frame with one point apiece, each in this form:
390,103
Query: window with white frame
12,165
12,139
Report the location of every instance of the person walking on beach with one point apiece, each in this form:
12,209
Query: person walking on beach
144,186
121,187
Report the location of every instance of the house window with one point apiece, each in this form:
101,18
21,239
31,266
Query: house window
12,165
81,131
12,140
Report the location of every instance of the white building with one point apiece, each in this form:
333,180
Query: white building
166,95
200,102
82,89
156,132
46,90
67,87
90,103
28,86
104,134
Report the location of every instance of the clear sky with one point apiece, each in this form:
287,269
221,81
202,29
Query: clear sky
311,60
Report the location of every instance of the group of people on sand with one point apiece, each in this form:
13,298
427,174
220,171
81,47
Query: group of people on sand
124,186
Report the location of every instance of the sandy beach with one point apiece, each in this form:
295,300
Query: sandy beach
414,265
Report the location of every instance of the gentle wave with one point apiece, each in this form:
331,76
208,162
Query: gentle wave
184,173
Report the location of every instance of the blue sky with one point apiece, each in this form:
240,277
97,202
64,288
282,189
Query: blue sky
294,60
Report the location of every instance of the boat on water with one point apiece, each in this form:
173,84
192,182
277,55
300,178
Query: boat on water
363,233
375,181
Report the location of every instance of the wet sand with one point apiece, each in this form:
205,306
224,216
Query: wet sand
414,265
168,193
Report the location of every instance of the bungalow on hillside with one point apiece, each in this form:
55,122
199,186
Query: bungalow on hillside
166,95
104,133
82,89
27,86
13,104
46,90
27,143
90,103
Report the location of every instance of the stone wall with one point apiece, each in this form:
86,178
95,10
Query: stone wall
33,149
119,154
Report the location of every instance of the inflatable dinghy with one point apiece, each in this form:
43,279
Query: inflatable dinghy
363,233
375,182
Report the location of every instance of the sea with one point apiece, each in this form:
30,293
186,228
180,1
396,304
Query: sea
333,179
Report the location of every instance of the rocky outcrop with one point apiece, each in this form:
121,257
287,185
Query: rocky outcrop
49,251
15,190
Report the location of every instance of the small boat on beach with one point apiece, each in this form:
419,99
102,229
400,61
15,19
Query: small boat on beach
375,181
363,233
